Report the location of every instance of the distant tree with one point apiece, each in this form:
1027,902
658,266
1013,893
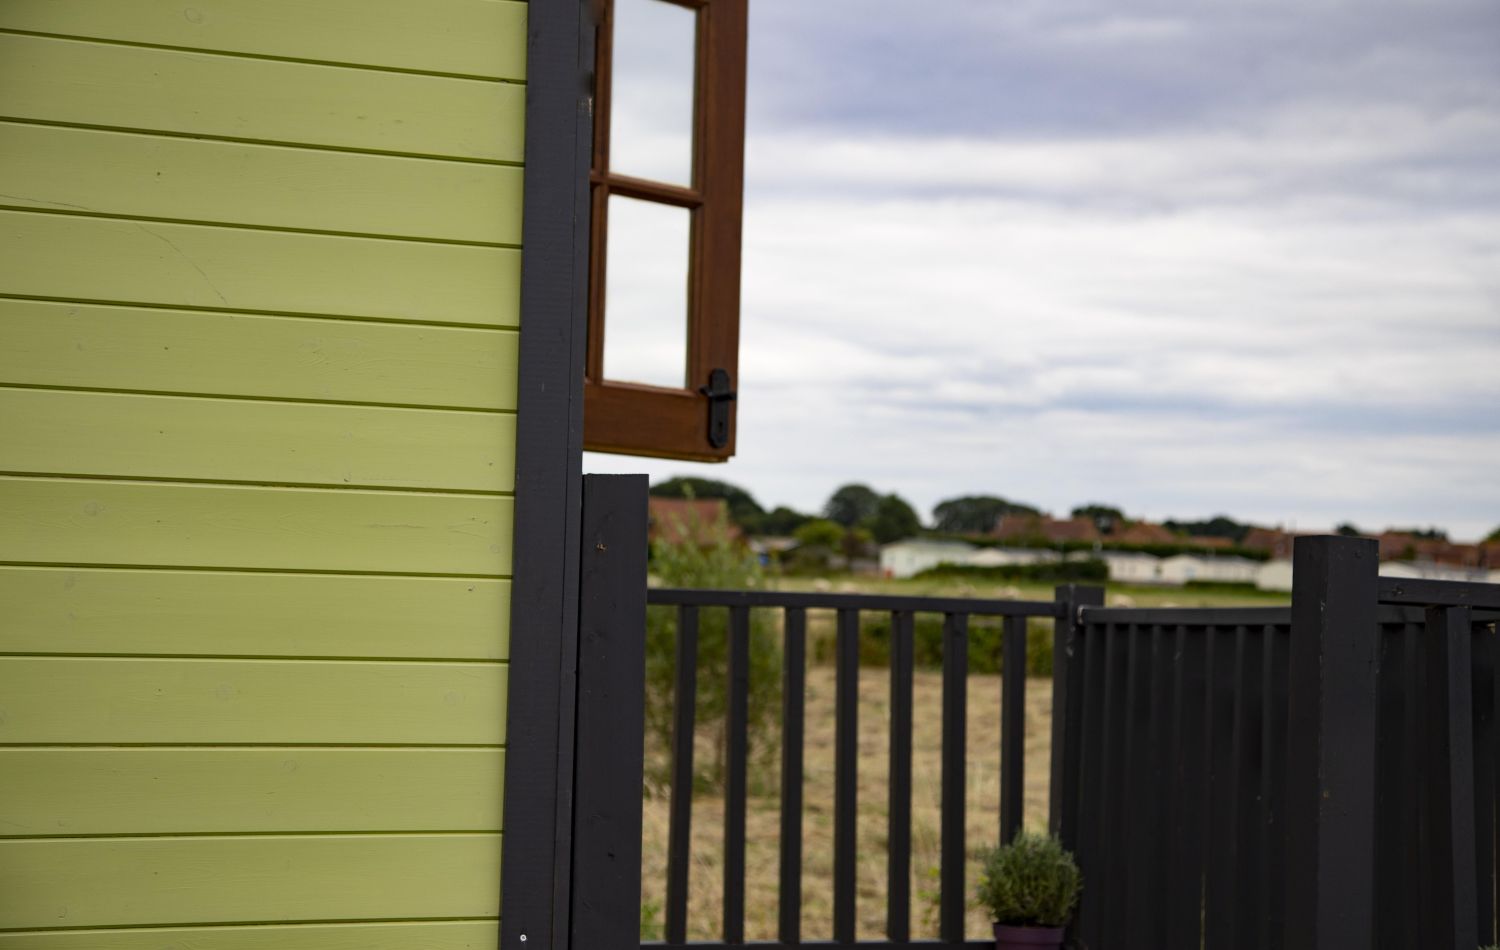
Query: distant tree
975,514
1493,537
783,521
1105,517
744,510
1348,530
851,504
820,533
857,542
894,519
1219,526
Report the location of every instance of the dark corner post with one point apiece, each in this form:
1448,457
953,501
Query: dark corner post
1330,802
611,713
1067,707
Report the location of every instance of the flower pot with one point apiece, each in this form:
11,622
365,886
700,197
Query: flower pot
1028,938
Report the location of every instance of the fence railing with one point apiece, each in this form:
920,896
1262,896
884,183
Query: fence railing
847,609
1319,777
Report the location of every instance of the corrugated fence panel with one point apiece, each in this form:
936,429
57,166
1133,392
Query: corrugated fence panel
72,433
186,265
113,701
227,354
120,173
472,37
178,525
428,935
70,610
190,93
145,881
66,791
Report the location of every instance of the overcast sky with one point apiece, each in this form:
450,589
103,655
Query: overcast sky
1185,257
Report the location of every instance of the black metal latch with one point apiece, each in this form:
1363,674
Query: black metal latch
719,397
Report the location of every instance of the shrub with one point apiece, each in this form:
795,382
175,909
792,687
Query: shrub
1031,882
986,644
725,565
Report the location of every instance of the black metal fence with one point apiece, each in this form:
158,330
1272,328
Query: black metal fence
847,608
1320,776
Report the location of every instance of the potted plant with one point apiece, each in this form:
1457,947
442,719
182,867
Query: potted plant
1030,888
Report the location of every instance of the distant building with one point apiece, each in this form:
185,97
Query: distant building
914,555
1275,574
674,520
1006,557
1128,568
1428,571
1182,568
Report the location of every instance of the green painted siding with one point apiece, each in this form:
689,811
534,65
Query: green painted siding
259,315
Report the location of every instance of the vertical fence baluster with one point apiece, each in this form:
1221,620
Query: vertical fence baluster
955,714
1483,680
680,828
1067,708
845,772
1090,656
1450,815
1247,785
738,721
793,692
898,828
1413,780
1393,879
1113,875
1134,836
1013,728
1153,847
1219,897
1184,890
1273,785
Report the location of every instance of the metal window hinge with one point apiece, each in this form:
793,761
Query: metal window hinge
719,397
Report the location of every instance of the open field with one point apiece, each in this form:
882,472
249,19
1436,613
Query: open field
763,819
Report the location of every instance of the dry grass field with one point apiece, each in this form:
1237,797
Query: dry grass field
763,819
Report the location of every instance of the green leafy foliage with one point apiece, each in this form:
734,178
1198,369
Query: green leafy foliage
893,520
783,521
1219,526
986,644
1031,882
1493,538
851,505
1058,572
976,514
726,565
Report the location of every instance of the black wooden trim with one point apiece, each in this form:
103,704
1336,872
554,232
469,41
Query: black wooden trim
535,875
884,602
611,749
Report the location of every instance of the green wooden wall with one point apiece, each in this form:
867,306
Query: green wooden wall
259,293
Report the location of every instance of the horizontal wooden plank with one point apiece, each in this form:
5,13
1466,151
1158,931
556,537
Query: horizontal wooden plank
472,37
154,90
263,185
183,265
124,881
185,613
44,343
47,700
226,791
181,525
110,434
425,935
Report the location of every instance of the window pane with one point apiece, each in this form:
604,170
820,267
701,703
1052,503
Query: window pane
646,293
651,111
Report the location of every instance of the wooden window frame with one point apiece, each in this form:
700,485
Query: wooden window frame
635,418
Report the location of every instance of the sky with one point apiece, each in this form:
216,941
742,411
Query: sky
1184,257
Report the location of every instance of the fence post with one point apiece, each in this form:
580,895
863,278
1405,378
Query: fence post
1331,740
610,736
1067,708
